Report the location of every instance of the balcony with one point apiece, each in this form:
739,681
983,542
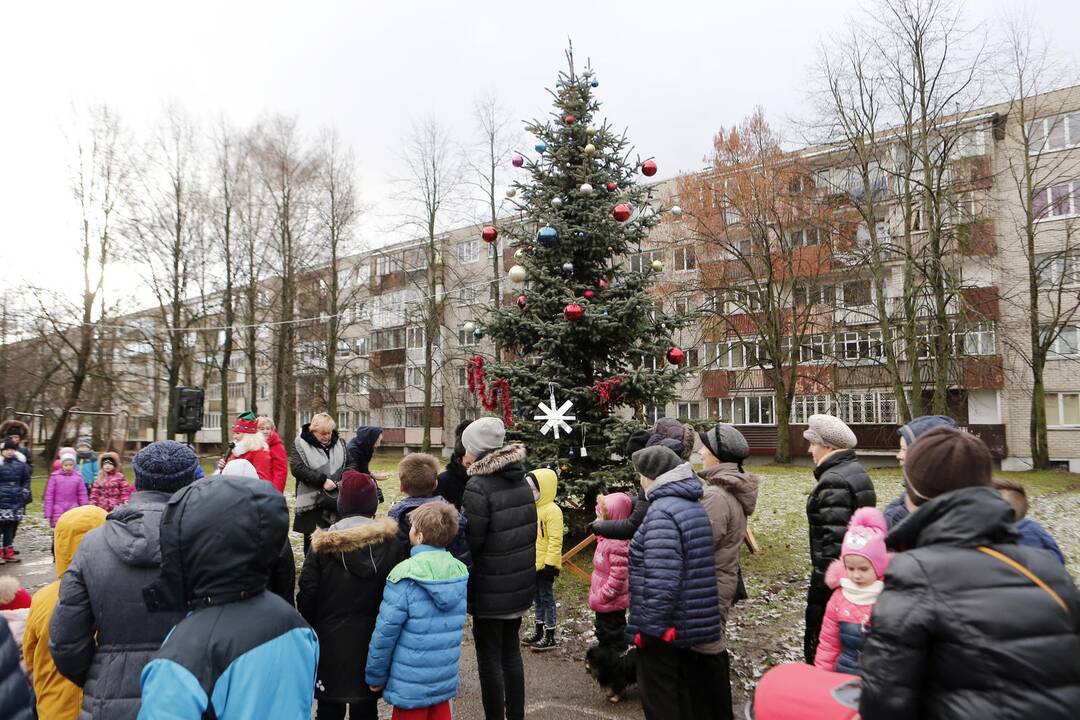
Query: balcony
387,358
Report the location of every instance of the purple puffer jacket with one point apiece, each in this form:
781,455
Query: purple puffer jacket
64,491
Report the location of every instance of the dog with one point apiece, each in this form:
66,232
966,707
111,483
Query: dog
613,669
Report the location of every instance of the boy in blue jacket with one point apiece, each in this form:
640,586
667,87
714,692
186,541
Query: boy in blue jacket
419,476
413,655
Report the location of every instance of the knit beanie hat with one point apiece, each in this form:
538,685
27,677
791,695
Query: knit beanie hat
83,441
725,443
484,435
922,424
637,440
246,424
10,444
830,431
865,537
357,494
165,466
675,430
946,459
652,462
68,454
239,467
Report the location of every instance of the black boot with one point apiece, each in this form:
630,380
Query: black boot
536,637
548,642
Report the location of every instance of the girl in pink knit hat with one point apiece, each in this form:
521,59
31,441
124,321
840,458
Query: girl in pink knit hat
856,580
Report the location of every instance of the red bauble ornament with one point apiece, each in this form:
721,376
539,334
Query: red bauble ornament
521,302
602,283
612,186
569,119
648,168
573,312
489,233
588,294
621,212
676,356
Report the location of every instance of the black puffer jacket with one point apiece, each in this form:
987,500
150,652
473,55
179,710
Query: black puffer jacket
452,482
960,634
623,529
341,587
101,635
16,697
843,486
502,534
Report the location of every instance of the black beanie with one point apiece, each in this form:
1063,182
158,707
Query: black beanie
654,461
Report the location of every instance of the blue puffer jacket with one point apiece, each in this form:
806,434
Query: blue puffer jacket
672,573
417,642
14,489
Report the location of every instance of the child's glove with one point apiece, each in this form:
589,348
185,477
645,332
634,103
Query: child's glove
548,573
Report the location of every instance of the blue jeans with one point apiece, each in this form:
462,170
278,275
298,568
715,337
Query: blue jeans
544,603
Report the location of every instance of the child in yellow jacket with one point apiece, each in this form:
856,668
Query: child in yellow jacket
549,537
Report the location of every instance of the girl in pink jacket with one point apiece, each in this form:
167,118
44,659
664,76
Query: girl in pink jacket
111,489
609,596
66,488
856,579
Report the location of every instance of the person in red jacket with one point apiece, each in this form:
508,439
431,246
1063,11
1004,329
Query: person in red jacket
249,444
279,457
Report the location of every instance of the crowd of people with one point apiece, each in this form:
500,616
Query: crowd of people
178,596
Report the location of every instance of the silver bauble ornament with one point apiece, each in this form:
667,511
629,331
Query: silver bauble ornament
556,202
585,189
517,274
510,192
676,210
469,327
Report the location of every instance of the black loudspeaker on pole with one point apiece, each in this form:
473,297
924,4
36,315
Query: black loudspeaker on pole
187,409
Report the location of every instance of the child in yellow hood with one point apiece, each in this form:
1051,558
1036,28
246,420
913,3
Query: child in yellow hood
549,537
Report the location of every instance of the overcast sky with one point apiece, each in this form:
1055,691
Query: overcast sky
672,71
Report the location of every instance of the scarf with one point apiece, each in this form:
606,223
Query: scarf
861,595
319,460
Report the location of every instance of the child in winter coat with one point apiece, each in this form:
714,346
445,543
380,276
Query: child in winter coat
65,489
1031,532
609,596
419,475
856,579
413,655
87,462
111,489
14,606
549,539
14,496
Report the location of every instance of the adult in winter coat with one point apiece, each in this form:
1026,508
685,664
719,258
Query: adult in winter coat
962,628
251,445
341,587
241,652
14,497
57,697
279,456
87,462
101,634
730,496
673,600
897,509
362,449
111,489
65,489
842,487
502,537
18,431
16,698
452,480
317,461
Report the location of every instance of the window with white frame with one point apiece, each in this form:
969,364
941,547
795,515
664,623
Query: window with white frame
414,337
360,346
1062,409
414,417
745,410
816,348
469,294
806,237
860,345
857,293
980,339
462,377
1067,342
389,339
803,406
970,144
642,261
343,418
649,362
689,411
467,338
1056,132
866,407
685,258
680,305
359,312
814,295
384,265
304,417
416,259
1058,270
1061,200
693,358
653,413
725,355
468,251
415,377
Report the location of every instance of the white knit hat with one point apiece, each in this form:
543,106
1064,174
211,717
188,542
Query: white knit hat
830,431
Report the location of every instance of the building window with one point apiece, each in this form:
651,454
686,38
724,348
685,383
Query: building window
416,377
343,419
468,252
414,337
1054,133
414,417
803,406
814,295
856,293
389,339
866,407
860,345
680,306
360,345
383,265
462,377
653,413
980,340
1062,409
806,237
689,411
469,295
693,358
642,261
211,421
1058,270
815,348
1067,342
1062,200
685,258
725,355
305,416
746,410
467,338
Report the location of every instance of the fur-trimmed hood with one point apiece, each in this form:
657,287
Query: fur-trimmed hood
8,426
496,460
112,456
352,534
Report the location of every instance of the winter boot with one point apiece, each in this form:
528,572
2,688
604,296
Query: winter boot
536,636
9,555
548,642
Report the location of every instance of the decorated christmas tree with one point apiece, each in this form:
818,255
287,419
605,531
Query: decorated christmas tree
584,329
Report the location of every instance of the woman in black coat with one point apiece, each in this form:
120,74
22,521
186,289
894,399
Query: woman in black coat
962,628
453,479
361,449
316,461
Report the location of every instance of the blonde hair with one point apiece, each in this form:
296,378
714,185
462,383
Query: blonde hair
266,419
1014,493
322,421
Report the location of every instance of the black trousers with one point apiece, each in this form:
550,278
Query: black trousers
710,687
664,673
7,532
502,676
357,711
611,629
816,600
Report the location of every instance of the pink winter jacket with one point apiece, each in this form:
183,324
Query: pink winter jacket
843,609
64,491
110,490
610,587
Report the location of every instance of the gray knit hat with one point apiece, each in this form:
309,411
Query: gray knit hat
830,431
484,435
725,443
654,461
165,465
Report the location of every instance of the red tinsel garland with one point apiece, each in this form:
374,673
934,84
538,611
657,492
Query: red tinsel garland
489,399
610,390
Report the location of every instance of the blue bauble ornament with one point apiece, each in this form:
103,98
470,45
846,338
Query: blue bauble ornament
580,235
594,82
568,267
547,236
478,333
540,146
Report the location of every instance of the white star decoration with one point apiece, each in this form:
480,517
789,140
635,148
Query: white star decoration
555,419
